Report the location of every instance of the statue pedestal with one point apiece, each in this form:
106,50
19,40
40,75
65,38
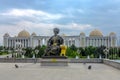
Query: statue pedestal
54,61
55,57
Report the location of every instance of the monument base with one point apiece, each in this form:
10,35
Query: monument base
54,57
54,61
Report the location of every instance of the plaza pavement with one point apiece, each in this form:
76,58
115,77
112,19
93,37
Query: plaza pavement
75,71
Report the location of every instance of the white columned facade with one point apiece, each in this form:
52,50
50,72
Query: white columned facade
95,39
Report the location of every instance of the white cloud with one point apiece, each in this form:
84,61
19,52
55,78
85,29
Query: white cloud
33,24
42,28
31,13
76,26
69,26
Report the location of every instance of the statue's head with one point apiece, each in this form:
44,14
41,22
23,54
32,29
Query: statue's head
56,31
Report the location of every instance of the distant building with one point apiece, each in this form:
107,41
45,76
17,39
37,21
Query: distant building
95,38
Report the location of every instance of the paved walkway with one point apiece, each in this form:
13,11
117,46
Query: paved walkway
78,71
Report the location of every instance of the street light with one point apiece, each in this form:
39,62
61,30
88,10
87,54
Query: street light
78,53
19,51
106,51
33,55
16,53
36,52
9,51
100,56
23,53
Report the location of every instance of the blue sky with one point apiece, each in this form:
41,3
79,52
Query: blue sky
71,16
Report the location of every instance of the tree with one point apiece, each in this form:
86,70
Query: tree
82,51
70,53
38,47
28,52
73,47
89,51
41,51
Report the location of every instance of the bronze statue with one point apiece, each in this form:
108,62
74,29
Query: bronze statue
53,45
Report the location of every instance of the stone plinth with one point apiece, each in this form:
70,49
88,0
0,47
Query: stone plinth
54,57
54,61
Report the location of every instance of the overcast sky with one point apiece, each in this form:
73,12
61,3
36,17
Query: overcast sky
71,16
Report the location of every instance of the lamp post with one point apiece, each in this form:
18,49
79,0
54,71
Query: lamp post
23,53
106,51
100,56
19,51
16,53
9,51
13,53
36,52
78,52
33,55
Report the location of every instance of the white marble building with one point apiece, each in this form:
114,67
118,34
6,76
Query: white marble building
95,38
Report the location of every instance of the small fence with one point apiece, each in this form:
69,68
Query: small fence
18,60
92,60
38,60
